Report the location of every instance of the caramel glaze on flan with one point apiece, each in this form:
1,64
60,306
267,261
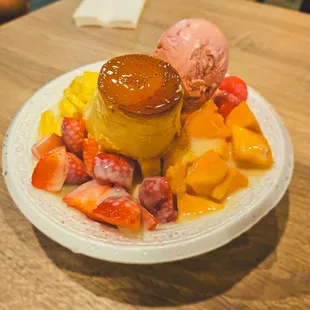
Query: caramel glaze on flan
136,111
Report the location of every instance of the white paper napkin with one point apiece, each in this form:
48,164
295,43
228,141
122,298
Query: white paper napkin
109,13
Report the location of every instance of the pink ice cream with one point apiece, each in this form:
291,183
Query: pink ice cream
199,52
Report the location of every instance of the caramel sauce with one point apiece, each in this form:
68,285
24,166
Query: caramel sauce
140,84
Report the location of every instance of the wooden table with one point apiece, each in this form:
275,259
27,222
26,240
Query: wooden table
266,268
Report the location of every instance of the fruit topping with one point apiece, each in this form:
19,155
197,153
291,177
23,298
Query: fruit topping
233,181
50,172
90,150
114,169
207,123
49,124
73,132
155,195
243,117
121,211
251,148
76,170
86,197
207,172
234,85
46,144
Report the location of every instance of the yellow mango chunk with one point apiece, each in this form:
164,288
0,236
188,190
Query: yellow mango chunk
176,176
67,109
250,148
77,97
49,124
190,207
207,123
150,167
90,79
233,181
243,117
207,172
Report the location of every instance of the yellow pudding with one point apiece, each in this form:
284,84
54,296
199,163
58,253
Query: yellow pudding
136,111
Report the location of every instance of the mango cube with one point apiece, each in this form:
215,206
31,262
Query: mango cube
49,124
250,148
233,181
243,117
207,123
207,172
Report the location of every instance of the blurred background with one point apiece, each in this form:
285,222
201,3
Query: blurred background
10,9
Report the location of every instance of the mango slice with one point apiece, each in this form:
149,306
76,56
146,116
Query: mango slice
207,172
233,181
243,117
49,123
176,175
190,207
250,148
77,97
207,123
150,167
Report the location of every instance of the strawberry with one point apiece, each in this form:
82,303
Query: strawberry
234,85
121,211
73,132
50,172
86,197
225,102
114,169
45,145
155,195
149,222
76,170
90,150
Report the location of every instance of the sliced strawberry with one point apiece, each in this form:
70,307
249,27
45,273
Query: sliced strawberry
46,144
234,85
156,196
225,102
73,132
121,211
114,169
90,150
149,222
86,197
50,172
76,170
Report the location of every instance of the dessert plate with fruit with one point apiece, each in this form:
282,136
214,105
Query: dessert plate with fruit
148,159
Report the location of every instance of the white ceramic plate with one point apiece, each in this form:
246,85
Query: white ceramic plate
167,243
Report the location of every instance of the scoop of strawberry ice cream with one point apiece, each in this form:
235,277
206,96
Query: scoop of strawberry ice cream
198,50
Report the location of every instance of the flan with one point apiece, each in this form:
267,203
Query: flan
136,109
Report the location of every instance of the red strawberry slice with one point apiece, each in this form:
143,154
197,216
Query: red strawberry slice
46,144
114,169
225,102
90,150
76,170
86,197
234,85
120,211
73,132
156,196
149,222
50,172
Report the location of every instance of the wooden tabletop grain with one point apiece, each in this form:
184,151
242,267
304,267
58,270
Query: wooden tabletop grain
266,268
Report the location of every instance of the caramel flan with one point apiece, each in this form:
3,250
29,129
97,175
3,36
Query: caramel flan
136,110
